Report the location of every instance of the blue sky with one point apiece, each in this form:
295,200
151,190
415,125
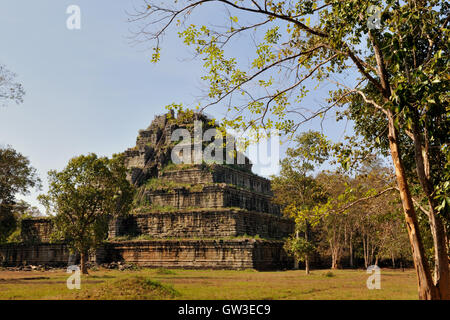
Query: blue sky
89,90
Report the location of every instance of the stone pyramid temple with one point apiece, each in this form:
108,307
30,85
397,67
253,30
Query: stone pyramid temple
205,215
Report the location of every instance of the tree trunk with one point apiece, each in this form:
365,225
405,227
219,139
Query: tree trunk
441,271
296,264
307,264
333,260
365,252
351,251
334,255
427,290
83,262
335,248
372,255
307,256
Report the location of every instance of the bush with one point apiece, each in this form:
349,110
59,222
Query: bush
329,274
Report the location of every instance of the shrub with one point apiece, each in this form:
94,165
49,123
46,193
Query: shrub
329,274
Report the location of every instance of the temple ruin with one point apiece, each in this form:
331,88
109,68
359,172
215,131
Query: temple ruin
206,215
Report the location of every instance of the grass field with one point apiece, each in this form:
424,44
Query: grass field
208,284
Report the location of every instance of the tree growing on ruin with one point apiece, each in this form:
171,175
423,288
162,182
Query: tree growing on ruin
83,197
398,51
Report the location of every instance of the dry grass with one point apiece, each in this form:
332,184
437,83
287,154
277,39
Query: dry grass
208,284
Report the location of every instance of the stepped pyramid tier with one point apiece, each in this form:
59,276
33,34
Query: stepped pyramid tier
200,186
201,215
154,145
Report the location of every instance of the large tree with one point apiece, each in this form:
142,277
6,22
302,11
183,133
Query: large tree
299,194
83,196
17,176
400,82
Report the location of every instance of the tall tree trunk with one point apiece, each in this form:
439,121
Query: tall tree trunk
307,256
296,264
365,253
336,246
351,251
307,264
333,250
83,262
373,255
426,288
441,271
